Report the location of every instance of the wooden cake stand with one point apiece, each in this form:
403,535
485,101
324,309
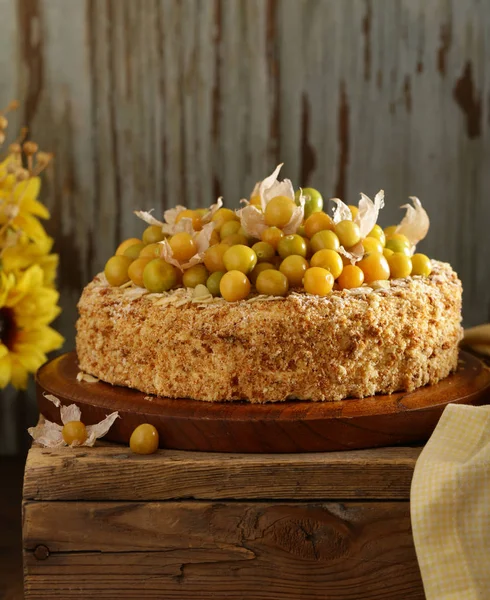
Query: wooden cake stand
401,418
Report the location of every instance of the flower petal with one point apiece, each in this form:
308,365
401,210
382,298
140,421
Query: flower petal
202,240
171,214
212,209
70,413
168,255
354,254
252,221
296,218
368,212
415,224
100,429
147,217
5,370
184,225
20,375
47,434
341,211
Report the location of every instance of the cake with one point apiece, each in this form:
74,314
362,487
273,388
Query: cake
176,329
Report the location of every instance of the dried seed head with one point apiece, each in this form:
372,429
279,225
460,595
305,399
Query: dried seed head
3,122
14,105
30,148
12,167
22,174
15,148
43,159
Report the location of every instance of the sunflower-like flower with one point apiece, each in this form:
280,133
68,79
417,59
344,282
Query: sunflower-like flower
28,300
27,307
21,252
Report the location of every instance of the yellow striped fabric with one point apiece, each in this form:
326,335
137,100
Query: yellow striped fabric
450,506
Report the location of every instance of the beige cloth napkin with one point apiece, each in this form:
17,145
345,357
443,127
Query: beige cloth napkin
478,340
450,506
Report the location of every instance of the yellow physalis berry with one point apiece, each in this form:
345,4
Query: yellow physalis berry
279,211
272,235
213,282
240,258
229,228
294,267
328,259
255,201
151,251
135,270
387,253
183,246
390,230
264,251
221,216
421,265
372,245
215,238
234,239
292,244
123,246
198,274
159,276
74,431
144,439
353,210
324,239
190,214
348,233
351,277
272,283
234,286
202,212
116,270
398,245
375,268
213,258
317,222
400,265
318,281
134,251
259,267
153,234
379,234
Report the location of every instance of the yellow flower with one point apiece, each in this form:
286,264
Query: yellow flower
19,205
27,307
20,253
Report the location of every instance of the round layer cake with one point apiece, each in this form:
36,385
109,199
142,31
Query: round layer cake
351,343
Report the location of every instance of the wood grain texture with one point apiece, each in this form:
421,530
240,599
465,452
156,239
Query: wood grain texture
293,426
148,103
219,550
112,472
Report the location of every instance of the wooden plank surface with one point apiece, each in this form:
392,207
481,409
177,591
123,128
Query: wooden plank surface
112,472
235,550
150,103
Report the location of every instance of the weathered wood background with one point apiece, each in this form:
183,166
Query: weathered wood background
147,103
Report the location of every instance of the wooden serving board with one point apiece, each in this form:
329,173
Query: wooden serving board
401,418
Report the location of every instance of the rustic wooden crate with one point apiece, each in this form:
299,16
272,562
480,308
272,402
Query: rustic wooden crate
104,523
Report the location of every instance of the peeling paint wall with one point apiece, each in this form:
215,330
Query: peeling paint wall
147,103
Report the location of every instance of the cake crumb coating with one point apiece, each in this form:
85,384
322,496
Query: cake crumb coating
348,344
